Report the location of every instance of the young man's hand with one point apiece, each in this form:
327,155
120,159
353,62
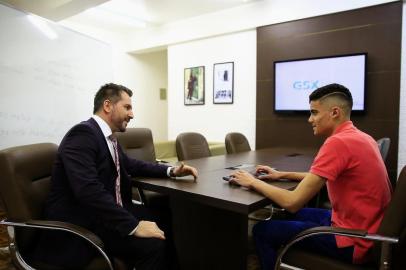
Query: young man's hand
267,173
242,178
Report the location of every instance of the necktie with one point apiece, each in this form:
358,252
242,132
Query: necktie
117,162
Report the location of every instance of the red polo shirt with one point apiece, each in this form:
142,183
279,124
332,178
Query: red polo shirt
357,184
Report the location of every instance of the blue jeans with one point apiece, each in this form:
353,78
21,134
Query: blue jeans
270,235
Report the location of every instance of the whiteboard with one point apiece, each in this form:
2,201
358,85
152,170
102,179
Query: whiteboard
46,86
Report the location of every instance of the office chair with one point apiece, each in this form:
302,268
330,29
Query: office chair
138,143
383,145
24,186
191,145
236,143
390,240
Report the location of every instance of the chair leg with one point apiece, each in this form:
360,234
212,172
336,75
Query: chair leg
138,196
385,263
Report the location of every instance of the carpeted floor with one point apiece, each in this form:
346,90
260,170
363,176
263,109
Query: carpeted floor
5,262
252,262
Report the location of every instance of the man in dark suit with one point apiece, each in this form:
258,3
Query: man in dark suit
91,187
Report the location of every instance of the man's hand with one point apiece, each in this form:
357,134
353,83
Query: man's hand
149,229
271,174
242,178
184,170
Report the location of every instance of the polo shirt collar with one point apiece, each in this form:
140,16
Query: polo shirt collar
344,126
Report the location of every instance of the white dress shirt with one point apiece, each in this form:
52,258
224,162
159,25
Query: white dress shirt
106,133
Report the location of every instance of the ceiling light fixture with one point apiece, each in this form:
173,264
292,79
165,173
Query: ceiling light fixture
43,26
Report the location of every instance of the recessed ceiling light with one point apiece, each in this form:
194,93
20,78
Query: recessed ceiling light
43,26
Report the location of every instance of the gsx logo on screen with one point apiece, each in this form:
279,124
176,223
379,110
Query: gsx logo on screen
305,85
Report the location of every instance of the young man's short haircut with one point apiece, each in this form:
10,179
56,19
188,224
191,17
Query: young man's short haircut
333,90
110,91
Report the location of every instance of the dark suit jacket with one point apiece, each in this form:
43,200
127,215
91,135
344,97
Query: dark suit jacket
83,183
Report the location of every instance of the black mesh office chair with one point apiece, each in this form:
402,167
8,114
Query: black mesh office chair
191,145
24,186
390,240
236,143
383,145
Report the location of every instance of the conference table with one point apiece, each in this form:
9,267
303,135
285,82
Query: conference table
210,216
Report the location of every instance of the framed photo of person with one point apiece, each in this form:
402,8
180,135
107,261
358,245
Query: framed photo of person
223,83
194,86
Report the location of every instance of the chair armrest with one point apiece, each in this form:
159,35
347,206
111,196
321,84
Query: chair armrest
336,231
330,230
61,226
65,226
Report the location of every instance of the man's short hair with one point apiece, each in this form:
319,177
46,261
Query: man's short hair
333,90
110,91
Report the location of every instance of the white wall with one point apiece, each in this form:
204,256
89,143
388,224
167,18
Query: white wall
144,74
214,121
150,74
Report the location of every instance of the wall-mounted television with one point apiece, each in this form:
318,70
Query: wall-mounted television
294,80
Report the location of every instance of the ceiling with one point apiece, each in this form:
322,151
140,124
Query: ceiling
123,15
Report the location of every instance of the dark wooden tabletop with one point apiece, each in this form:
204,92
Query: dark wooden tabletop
211,189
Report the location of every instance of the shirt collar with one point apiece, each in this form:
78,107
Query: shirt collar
343,126
103,125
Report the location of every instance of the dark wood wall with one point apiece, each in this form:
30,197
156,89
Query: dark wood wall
375,30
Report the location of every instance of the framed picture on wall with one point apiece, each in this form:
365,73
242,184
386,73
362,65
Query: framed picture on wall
194,86
223,83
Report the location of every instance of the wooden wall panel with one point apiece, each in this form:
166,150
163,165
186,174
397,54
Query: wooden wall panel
375,30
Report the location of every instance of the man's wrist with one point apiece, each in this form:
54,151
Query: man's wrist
172,172
253,183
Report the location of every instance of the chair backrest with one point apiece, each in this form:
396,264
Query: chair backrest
394,220
137,143
383,145
25,183
191,145
236,143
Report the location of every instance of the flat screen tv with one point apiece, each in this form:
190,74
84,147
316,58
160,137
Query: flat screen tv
294,80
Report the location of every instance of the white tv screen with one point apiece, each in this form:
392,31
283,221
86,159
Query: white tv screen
294,80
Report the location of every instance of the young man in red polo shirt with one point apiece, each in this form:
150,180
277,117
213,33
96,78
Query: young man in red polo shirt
349,163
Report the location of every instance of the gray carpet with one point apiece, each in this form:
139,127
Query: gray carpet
5,261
